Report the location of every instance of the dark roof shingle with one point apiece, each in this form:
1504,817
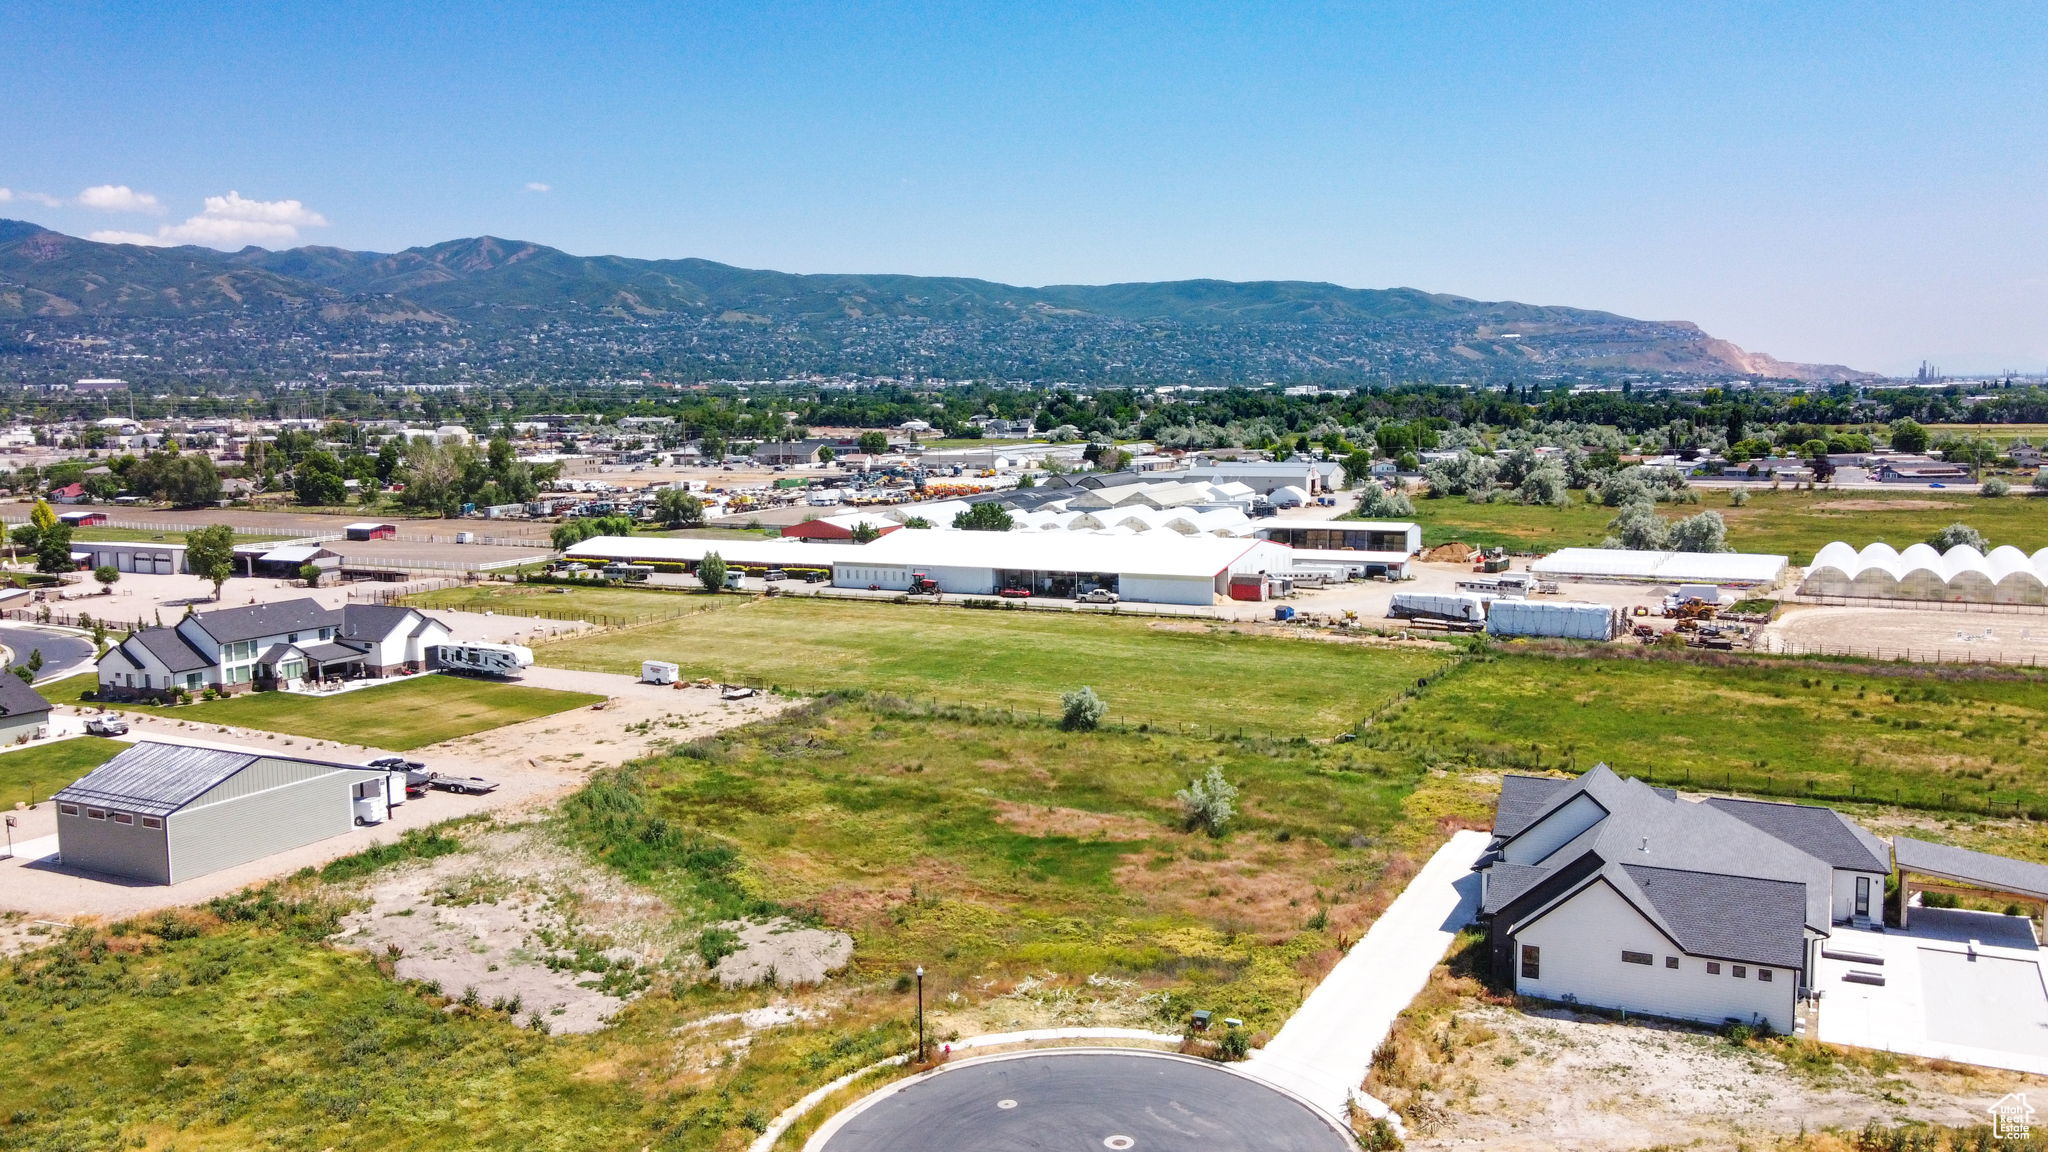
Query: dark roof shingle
1822,833
1741,918
2003,873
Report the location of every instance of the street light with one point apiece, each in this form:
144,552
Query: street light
920,1013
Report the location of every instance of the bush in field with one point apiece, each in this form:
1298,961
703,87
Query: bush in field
1957,535
1993,487
1082,710
711,572
1209,801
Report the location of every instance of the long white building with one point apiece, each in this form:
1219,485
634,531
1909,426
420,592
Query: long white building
1158,568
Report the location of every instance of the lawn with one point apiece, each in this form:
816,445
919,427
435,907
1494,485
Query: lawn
1151,672
398,717
598,604
1795,524
1911,736
29,775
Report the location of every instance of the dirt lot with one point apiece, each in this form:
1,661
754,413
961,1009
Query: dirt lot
2012,637
1524,1082
521,920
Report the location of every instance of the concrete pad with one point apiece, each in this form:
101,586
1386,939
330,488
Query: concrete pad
1935,1002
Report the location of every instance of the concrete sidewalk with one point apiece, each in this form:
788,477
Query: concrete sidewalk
1323,1051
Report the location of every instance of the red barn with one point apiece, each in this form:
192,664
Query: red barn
369,531
837,529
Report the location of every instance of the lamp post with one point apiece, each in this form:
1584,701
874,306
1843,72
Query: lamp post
920,1013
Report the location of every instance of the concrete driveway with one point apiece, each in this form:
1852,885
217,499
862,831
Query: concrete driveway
1323,1051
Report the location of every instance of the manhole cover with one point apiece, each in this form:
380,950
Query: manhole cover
1120,1143
1006,1104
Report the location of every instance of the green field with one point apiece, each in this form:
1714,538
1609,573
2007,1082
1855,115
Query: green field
1795,524
29,775
1151,672
599,604
410,714
1790,729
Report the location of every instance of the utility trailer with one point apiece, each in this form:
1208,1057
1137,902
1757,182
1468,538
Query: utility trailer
659,672
461,785
485,659
1465,612
1506,584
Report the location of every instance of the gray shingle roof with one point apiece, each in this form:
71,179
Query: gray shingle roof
1820,832
1505,881
172,650
1740,918
372,621
18,699
2003,873
157,779
1522,798
258,620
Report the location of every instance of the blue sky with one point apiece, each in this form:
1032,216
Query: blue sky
1854,183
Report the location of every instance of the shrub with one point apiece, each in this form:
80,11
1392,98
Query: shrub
1738,498
1209,801
1234,1045
1082,710
1957,535
715,944
1993,487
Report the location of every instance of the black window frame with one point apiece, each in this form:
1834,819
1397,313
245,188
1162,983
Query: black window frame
1643,958
1532,962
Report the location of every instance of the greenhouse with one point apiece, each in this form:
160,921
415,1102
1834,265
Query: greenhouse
1960,575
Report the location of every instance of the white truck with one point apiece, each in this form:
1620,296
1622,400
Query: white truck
485,659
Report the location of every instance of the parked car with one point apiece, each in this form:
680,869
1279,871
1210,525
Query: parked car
106,726
1016,593
1098,596
394,763
772,575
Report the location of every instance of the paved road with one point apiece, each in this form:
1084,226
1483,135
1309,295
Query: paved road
1323,1050
62,652
1086,1100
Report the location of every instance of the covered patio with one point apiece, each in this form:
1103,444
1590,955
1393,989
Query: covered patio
1925,867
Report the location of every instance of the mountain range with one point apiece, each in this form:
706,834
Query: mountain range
1221,330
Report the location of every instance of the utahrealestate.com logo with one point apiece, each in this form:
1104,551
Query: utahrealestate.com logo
2012,1118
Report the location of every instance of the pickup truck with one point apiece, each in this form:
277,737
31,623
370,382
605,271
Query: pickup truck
1098,596
106,726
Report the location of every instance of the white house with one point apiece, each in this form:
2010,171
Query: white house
271,646
1607,892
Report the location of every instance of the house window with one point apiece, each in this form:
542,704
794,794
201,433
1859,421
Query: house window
1713,968
1740,972
124,818
1671,961
1764,974
152,822
1635,958
193,680
1532,962
67,809
95,813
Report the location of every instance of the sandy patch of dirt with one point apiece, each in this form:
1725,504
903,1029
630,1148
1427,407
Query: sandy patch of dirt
1044,1001
520,919
21,933
1046,820
1917,633
782,952
1552,1079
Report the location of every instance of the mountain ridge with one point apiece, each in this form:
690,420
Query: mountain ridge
490,281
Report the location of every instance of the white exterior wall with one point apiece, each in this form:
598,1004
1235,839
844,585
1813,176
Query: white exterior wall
1582,941
1845,894
1539,840
1167,589
852,574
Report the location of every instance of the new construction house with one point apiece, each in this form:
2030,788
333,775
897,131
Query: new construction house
278,645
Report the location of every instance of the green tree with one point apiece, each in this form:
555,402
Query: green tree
1993,487
1357,469
866,533
987,516
1957,535
1025,481
678,508
921,522
107,575
319,481
1704,532
826,454
1209,801
711,572
53,549
1908,436
210,552
873,443
1082,710
42,518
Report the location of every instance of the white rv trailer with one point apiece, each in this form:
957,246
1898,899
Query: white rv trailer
486,659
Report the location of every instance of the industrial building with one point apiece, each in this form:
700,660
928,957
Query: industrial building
1162,568
1625,566
164,813
1962,574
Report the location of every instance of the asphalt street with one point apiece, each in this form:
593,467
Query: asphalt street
1087,1100
62,652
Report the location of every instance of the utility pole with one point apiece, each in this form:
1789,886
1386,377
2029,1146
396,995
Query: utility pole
920,980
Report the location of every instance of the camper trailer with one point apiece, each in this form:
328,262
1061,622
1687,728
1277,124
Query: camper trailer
486,659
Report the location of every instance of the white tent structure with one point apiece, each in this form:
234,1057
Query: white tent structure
1960,575
1624,566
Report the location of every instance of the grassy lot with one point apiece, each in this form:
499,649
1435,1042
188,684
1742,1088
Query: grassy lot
599,605
1796,524
411,714
29,775
1910,736
1156,672
2003,433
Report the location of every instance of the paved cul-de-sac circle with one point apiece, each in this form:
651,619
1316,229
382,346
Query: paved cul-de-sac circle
1124,1101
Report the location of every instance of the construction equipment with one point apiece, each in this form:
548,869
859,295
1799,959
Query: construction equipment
1490,560
1690,610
